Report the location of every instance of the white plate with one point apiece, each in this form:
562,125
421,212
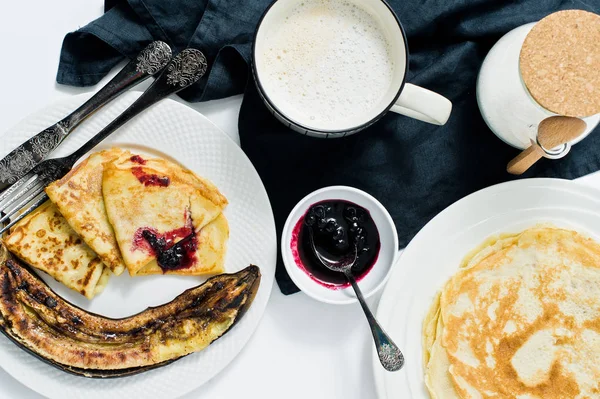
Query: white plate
175,131
421,272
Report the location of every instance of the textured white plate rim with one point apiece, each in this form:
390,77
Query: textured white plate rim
390,299
338,193
243,331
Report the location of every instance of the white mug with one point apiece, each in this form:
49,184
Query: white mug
401,97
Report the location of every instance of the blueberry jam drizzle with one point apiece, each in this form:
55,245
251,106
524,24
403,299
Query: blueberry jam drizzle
148,179
138,159
337,226
169,255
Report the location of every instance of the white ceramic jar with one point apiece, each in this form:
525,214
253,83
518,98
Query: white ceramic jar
504,101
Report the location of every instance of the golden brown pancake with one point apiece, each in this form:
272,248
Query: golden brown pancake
520,319
44,240
160,197
78,197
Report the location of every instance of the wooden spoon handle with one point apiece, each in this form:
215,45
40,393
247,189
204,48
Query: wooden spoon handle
519,164
552,131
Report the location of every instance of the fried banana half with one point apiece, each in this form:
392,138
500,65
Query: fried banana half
75,341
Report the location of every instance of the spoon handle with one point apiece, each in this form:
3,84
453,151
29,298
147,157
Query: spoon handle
390,356
519,164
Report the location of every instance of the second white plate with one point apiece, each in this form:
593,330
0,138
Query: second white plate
435,253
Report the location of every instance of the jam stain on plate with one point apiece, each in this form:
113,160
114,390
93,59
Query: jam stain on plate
169,254
337,226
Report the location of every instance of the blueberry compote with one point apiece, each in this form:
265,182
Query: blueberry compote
147,179
337,226
150,179
169,255
138,159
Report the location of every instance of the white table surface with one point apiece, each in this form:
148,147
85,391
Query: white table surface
302,348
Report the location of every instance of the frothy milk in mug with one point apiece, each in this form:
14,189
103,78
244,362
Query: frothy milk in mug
327,61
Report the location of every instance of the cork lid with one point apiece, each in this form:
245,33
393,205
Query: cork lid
560,63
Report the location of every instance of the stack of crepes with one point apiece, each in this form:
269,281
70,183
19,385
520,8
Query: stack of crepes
520,319
102,214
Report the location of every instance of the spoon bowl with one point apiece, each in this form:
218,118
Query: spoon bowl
341,265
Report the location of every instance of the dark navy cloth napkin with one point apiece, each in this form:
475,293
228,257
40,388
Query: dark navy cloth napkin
413,168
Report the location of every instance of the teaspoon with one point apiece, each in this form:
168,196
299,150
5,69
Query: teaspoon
390,356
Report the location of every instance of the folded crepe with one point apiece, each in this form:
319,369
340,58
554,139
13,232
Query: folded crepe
153,204
78,196
44,240
208,256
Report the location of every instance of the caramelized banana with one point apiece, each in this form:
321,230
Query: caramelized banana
82,343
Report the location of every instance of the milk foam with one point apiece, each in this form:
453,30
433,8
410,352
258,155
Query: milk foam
325,62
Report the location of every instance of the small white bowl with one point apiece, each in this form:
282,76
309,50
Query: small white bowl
379,273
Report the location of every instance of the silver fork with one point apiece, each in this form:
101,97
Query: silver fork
27,193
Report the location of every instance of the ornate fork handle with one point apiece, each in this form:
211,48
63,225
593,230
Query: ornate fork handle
27,193
150,61
184,70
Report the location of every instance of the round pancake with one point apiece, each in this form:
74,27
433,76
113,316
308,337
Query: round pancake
520,319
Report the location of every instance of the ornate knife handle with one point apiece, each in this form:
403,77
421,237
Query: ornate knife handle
184,70
17,163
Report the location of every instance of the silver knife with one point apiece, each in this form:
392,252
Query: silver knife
21,160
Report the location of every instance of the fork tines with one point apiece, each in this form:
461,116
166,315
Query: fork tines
14,201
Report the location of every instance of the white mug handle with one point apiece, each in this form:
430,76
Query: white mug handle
422,104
